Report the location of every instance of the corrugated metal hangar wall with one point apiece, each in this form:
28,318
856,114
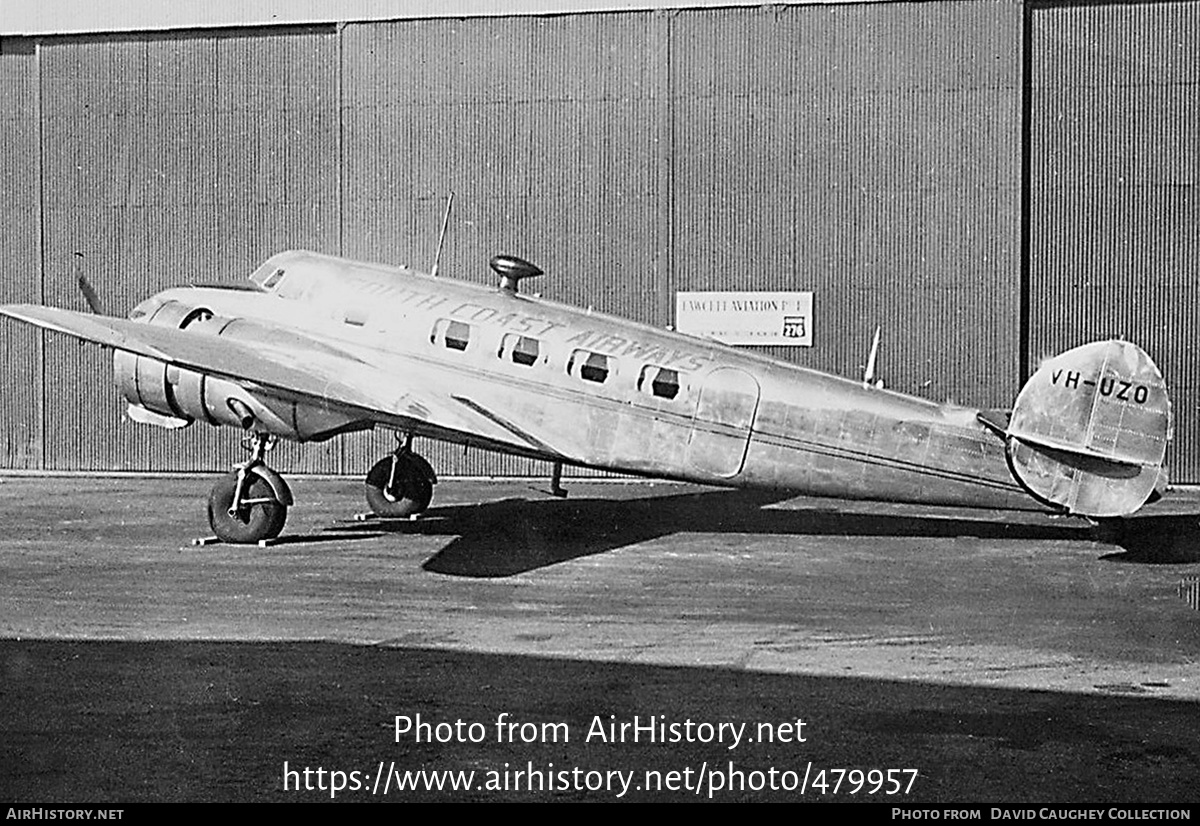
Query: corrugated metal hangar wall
988,181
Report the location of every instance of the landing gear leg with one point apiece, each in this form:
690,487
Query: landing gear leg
556,488
400,486
249,504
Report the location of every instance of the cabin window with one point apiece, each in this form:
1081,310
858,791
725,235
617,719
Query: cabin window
520,349
659,381
589,366
453,335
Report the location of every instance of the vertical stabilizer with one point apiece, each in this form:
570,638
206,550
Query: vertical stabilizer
1089,430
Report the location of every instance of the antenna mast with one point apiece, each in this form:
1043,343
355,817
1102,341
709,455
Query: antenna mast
442,237
869,379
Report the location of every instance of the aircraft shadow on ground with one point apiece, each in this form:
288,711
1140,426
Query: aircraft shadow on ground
1154,540
512,536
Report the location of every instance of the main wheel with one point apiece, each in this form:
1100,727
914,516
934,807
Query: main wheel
408,494
261,515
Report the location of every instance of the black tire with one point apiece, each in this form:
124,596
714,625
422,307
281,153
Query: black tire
263,520
409,495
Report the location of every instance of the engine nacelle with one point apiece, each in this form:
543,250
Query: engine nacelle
184,396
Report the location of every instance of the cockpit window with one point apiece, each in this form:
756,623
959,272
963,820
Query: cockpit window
273,279
198,314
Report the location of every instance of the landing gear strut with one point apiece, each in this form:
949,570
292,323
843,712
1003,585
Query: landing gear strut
400,486
250,503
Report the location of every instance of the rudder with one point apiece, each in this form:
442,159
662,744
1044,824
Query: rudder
1089,430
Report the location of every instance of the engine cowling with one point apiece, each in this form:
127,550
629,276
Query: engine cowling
185,396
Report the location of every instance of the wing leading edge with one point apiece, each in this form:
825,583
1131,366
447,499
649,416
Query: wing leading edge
225,358
317,374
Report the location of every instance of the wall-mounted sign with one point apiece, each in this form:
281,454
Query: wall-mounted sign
747,318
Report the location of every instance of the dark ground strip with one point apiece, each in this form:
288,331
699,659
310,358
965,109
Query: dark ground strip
170,721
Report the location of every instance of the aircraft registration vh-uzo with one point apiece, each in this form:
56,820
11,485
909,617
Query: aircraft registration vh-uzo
313,346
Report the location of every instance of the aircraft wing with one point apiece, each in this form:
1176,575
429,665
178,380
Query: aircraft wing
306,369
225,358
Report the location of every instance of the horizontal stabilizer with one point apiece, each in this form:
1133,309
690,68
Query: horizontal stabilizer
1089,430
995,420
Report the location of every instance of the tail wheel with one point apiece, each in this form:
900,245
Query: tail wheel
259,516
399,495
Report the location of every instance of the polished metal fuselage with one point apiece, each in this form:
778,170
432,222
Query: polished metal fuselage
594,390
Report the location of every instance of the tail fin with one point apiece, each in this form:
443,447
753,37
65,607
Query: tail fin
1090,429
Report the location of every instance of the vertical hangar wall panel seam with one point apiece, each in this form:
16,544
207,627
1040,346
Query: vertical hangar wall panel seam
22,372
340,204
667,193
41,218
1116,189
1024,250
